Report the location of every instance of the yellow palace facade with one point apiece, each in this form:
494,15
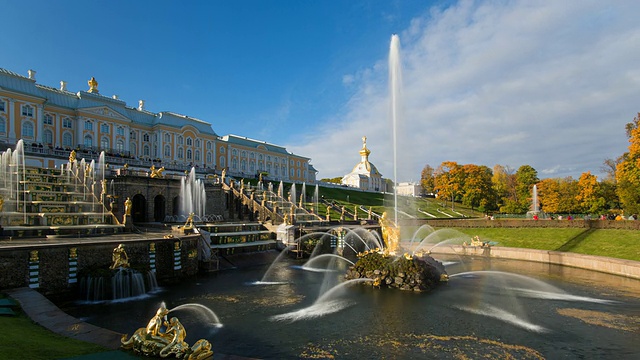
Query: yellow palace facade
54,121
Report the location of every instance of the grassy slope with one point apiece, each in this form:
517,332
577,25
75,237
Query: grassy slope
28,340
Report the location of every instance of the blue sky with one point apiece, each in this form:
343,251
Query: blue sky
548,84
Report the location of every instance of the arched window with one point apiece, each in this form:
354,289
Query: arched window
88,125
180,153
88,141
167,137
243,154
47,137
222,162
3,125
291,172
132,149
234,164
120,146
275,168
145,137
189,141
120,131
67,140
269,168
145,149
209,158
243,165
197,143
252,167
27,110
221,148
104,143
197,155
188,154
167,151
180,140
48,119
27,129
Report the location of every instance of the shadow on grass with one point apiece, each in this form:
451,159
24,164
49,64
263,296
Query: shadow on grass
574,241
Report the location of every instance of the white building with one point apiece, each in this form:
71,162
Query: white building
409,189
365,175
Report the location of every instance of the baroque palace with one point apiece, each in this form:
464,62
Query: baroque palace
52,122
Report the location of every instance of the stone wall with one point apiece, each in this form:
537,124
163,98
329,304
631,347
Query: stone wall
53,270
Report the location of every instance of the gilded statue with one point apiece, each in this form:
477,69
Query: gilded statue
127,206
120,258
153,341
72,156
93,85
189,223
156,173
1,202
390,233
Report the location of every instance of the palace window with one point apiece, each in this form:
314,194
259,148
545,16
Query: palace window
209,157
260,157
120,146
67,140
88,125
120,131
197,155
197,143
167,138
66,123
298,165
104,128
275,170
48,119
3,126
244,154
189,141
145,150
243,165
104,143
252,155
47,137
180,140
252,167
27,110
133,135
298,172
234,152
188,154
2,106
222,161
167,151
180,153
269,168
234,164
145,137
132,150
291,172
27,129
88,141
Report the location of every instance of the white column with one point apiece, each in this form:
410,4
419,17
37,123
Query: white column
79,122
12,120
127,138
58,134
161,144
40,122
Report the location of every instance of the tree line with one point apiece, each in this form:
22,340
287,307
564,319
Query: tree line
508,190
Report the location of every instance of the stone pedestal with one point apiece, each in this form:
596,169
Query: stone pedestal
128,223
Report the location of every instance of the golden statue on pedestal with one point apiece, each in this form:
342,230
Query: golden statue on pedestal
120,258
390,233
156,173
153,341
93,85
72,156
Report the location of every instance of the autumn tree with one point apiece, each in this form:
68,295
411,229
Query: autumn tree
504,187
628,170
558,195
448,180
590,199
427,180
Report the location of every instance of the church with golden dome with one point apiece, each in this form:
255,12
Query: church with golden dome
365,175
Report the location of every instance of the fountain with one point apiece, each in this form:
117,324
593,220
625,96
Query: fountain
119,283
193,198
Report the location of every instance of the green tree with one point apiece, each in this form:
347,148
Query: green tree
477,191
526,177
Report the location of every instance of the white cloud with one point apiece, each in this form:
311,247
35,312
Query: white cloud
546,84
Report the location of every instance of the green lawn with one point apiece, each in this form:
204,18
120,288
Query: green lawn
622,244
25,339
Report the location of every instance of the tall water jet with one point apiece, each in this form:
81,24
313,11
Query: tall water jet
395,86
192,195
534,199
315,199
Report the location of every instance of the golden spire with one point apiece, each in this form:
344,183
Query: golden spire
364,152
